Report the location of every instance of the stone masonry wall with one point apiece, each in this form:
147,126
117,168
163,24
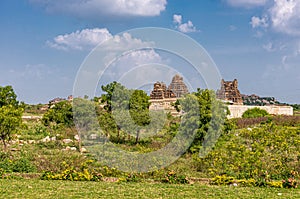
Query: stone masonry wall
236,111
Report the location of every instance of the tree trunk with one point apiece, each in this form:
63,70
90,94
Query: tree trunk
137,137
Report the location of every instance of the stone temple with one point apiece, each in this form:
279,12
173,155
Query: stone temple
160,91
162,97
229,92
178,86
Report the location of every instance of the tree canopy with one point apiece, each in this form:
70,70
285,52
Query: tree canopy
10,114
60,113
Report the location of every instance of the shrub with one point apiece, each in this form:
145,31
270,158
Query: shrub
20,165
222,180
264,153
172,178
84,173
23,165
254,113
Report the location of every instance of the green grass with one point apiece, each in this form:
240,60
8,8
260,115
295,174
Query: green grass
67,189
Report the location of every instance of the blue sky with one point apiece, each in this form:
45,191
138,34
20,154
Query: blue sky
43,43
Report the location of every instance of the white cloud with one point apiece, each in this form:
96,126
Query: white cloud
177,19
246,3
183,27
259,22
282,16
87,39
80,39
97,8
285,16
135,68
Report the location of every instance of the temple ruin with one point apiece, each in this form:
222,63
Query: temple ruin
229,92
178,86
160,91
162,97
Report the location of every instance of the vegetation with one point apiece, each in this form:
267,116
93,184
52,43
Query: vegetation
254,113
263,153
10,114
239,154
60,113
65,189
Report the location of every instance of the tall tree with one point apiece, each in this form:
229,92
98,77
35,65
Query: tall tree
114,93
10,114
205,115
139,110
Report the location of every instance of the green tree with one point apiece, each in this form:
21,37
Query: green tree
204,118
116,104
112,90
255,112
60,113
8,97
139,110
10,114
84,112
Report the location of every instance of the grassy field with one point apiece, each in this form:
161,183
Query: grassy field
67,189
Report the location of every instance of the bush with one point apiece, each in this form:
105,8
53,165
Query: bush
266,153
21,165
84,173
254,113
172,178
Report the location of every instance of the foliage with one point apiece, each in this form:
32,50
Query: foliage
35,109
267,153
111,93
60,113
228,180
21,164
290,183
254,113
10,121
173,178
281,120
205,115
139,110
84,113
8,97
73,174
296,107
10,114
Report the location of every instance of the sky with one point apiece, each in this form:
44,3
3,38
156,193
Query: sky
44,43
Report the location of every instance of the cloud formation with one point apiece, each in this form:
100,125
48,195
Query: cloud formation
87,39
247,3
183,27
285,16
282,16
80,39
259,22
97,8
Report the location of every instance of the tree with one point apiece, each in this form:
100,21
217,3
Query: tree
255,112
139,110
8,97
111,94
204,118
10,121
60,113
10,114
